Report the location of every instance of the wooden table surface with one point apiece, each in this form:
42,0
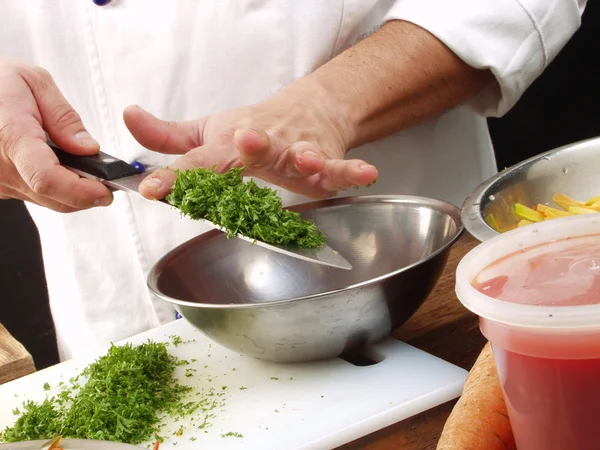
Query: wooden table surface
444,328
15,360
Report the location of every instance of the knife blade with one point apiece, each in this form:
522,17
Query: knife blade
119,175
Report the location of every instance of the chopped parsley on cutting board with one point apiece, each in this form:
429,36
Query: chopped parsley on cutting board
123,396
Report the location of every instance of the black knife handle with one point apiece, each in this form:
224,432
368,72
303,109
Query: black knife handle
100,165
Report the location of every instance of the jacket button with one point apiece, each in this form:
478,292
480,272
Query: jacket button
101,2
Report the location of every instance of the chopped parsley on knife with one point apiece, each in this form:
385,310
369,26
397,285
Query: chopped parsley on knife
241,207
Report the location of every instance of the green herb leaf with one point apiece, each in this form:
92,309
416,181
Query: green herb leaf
232,434
176,340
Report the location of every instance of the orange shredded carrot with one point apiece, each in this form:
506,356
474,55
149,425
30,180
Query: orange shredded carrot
55,444
479,420
156,445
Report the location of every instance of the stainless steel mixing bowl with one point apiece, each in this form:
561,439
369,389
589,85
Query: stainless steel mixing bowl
274,307
573,170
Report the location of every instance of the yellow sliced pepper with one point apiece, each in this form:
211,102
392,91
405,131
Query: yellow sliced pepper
591,201
595,206
550,212
524,212
491,221
564,202
542,212
581,210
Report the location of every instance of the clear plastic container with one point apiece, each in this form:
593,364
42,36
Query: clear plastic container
548,357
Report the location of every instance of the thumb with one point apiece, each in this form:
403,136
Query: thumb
159,184
163,136
59,119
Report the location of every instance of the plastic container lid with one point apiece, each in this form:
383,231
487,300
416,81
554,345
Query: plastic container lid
580,318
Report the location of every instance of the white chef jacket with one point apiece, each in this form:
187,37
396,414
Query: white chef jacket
182,59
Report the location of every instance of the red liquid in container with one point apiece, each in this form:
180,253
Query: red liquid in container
550,378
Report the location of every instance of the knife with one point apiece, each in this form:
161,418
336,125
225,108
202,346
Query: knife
119,175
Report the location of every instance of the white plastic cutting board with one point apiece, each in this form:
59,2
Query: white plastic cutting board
318,405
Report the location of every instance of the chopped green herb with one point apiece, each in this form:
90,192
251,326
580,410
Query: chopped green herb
125,393
231,433
176,340
241,208
243,388
46,386
274,378
16,411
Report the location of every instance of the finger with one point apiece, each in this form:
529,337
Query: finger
161,135
47,179
343,174
302,159
49,203
257,149
9,192
59,119
158,185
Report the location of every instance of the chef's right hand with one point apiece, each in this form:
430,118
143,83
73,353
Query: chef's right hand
29,170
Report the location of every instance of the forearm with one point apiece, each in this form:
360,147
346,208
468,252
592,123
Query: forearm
399,76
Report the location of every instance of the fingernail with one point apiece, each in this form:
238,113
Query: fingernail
250,130
84,138
104,201
309,154
153,183
365,167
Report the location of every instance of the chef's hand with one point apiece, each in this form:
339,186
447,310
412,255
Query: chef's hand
284,141
29,170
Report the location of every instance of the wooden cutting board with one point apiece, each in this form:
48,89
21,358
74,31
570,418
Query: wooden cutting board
15,360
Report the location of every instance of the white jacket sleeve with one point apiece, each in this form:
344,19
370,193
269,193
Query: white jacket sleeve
515,39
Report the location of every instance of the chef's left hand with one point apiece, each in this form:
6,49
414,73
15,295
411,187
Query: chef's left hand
286,141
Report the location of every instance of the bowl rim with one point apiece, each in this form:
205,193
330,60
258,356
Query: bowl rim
555,318
442,206
471,214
